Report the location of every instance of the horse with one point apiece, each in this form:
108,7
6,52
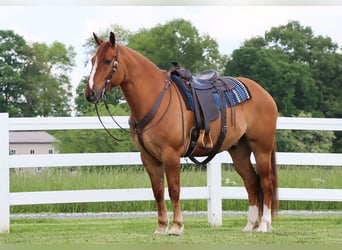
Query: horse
160,125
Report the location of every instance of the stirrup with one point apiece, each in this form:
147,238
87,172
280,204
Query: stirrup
206,140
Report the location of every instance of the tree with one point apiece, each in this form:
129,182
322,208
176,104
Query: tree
323,57
12,58
290,83
47,89
178,40
311,66
302,71
34,77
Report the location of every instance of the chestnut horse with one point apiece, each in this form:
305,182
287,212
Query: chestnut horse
165,131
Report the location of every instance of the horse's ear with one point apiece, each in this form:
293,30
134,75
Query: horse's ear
97,39
112,38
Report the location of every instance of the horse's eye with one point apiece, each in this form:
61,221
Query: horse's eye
107,62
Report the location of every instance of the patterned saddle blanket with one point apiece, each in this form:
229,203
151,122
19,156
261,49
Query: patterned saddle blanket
235,92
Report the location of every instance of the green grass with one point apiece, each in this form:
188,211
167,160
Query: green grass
139,231
136,177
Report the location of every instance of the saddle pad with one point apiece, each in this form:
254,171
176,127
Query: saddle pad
237,95
185,92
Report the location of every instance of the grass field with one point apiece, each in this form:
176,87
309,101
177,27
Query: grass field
136,177
314,230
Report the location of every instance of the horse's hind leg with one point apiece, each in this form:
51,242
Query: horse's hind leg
241,159
266,168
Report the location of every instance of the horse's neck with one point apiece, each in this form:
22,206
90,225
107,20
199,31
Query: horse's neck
143,83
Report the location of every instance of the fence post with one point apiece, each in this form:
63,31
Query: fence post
215,194
4,174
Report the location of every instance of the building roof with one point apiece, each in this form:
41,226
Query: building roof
30,137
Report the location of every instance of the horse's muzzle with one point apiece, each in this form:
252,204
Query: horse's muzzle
92,97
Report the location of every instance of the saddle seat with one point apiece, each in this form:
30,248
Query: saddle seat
205,79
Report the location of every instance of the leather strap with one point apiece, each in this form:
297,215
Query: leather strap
138,126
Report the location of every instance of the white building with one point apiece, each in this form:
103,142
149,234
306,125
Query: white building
32,142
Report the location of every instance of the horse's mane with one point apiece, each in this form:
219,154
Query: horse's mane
139,56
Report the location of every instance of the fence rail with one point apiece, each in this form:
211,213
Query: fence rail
213,191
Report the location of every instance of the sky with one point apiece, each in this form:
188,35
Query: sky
229,25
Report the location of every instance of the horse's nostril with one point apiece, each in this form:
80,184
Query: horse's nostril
91,97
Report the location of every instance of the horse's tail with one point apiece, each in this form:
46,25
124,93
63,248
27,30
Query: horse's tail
274,176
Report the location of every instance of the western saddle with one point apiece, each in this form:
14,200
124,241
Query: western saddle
206,94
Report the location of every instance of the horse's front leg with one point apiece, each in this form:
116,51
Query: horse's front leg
155,171
171,162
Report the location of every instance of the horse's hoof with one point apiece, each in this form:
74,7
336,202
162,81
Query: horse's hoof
264,227
161,231
250,227
176,230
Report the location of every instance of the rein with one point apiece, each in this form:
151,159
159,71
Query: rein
108,132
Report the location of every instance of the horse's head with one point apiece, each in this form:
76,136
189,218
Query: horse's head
105,73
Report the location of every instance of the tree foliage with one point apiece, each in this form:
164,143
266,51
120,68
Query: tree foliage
34,77
289,83
323,58
12,58
178,40
48,88
301,71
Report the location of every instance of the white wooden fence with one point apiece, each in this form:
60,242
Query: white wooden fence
213,192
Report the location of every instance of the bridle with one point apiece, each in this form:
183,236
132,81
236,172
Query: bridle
103,96
110,76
